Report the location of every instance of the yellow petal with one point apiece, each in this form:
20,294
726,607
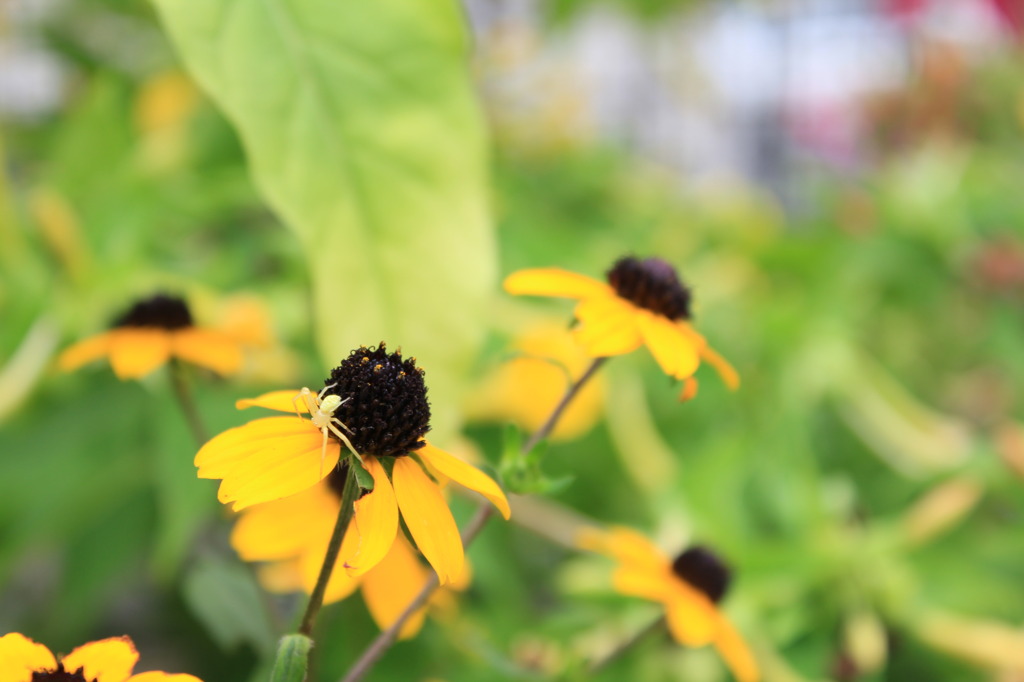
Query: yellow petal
283,528
281,577
106,660
340,584
689,392
674,350
85,351
19,656
640,582
375,522
135,352
692,619
730,377
428,518
267,459
607,326
466,475
626,546
735,653
392,585
228,451
207,348
162,677
554,282
282,401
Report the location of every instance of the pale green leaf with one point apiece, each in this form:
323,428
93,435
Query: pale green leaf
363,133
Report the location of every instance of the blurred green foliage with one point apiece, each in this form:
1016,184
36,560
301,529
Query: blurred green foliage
878,337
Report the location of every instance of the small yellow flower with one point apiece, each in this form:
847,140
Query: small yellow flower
528,387
688,587
292,535
644,303
381,401
151,333
106,660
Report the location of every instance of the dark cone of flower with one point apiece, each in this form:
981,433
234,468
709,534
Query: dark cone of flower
699,567
164,312
59,675
384,401
653,284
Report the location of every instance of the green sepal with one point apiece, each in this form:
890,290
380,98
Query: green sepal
292,659
363,477
521,472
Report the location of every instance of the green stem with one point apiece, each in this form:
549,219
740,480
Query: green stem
188,406
316,599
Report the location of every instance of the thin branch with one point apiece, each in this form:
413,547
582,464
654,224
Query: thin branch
188,406
615,654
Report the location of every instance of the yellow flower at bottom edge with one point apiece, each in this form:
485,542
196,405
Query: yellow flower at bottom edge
106,660
378,402
292,535
527,387
644,303
151,333
688,587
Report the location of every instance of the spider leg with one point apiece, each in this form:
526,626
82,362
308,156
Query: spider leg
320,395
312,402
295,401
343,424
340,435
323,452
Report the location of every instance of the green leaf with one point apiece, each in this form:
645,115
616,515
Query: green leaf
362,131
363,477
225,598
292,659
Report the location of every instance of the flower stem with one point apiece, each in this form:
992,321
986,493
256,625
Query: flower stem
548,426
615,654
484,512
188,406
316,599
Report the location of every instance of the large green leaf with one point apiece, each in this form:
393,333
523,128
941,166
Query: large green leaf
364,135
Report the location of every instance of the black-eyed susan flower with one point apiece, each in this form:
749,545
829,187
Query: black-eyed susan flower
292,534
643,303
378,404
152,332
689,587
106,660
526,388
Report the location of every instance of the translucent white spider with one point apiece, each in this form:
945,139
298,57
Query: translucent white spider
321,413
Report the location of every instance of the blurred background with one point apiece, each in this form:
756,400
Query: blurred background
838,180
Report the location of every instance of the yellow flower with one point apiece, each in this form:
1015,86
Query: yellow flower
292,534
644,303
106,660
528,387
688,587
151,333
380,402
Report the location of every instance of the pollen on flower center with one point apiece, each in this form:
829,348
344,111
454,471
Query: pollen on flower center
652,284
702,569
161,311
59,675
384,401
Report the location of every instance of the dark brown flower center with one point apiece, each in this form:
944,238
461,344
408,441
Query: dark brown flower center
699,567
384,401
59,675
652,284
161,311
